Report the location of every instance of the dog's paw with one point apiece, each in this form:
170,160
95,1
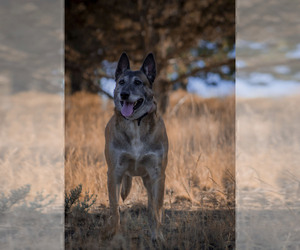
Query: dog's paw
110,228
158,240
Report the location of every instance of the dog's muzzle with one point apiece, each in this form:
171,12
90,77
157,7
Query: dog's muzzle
129,107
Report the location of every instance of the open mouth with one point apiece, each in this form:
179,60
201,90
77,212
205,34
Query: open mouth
136,104
128,107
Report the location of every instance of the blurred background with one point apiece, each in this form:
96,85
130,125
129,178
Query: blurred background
31,124
193,43
267,124
267,49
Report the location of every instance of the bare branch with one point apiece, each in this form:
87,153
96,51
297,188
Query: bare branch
207,68
92,82
103,92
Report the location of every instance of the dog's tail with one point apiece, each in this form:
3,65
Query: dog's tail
126,186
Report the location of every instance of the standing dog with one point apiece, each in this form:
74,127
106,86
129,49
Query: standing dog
136,142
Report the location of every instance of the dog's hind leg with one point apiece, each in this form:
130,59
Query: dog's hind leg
126,186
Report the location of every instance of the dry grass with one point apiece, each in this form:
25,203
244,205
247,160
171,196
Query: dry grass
199,210
31,143
268,173
199,200
31,159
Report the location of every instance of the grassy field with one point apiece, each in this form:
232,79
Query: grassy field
199,200
268,173
31,171
200,183
31,143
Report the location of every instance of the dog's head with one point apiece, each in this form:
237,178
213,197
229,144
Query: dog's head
133,95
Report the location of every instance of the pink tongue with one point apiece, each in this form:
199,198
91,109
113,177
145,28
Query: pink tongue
127,109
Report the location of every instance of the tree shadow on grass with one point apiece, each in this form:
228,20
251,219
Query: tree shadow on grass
183,229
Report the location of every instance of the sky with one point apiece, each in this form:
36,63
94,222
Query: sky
278,80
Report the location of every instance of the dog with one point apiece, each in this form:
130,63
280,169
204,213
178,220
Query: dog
136,142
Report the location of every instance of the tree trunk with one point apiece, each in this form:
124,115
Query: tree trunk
162,88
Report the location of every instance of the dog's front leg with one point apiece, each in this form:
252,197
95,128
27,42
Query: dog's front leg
155,188
158,187
114,188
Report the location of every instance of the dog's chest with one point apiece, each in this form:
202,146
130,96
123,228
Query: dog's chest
137,145
135,151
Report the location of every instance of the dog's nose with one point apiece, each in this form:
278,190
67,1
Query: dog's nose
124,95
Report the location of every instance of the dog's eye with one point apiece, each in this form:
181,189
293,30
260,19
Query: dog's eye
121,82
137,82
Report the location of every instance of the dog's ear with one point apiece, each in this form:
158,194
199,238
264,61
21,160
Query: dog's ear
123,65
149,67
